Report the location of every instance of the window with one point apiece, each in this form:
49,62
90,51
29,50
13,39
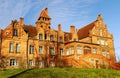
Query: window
13,62
40,37
61,39
51,50
51,38
52,64
17,48
61,52
31,49
31,62
79,50
104,54
98,41
11,47
41,63
67,51
15,32
40,50
45,36
71,50
102,42
108,55
94,50
106,43
87,50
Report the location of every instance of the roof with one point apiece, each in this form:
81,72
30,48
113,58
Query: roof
84,32
44,13
31,30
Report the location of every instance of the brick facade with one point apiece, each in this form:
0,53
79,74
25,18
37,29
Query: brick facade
24,46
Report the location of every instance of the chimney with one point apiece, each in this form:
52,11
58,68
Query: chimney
72,29
21,21
59,27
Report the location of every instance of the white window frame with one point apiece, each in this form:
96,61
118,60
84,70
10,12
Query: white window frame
40,49
94,50
31,49
31,62
13,62
72,50
79,50
17,48
11,47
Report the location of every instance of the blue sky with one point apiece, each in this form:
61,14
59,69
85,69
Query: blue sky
65,12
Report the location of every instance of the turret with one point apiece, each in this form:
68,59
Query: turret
44,20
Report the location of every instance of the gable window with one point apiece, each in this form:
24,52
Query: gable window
31,62
11,47
31,49
94,50
61,52
61,39
17,48
40,37
71,50
51,38
13,62
15,32
52,51
79,50
40,50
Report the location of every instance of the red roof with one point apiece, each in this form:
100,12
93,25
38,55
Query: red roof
31,30
44,13
84,32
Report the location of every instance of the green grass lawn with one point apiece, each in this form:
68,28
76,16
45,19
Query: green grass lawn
10,72
62,73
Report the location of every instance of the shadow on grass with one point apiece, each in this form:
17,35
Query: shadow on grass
14,76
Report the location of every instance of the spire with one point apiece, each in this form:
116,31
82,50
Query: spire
99,18
44,13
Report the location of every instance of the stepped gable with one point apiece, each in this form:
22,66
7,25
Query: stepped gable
44,14
31,30
84,32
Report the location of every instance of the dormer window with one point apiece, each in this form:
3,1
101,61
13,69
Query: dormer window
15,32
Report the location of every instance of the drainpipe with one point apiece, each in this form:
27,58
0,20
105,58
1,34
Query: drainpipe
27,65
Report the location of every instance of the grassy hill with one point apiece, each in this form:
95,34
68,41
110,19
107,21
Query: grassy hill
65,73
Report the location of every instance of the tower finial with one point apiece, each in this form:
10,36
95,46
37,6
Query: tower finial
99,17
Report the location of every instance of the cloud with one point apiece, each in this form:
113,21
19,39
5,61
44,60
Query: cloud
61,10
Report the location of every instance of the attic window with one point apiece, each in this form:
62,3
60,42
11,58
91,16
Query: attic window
15,32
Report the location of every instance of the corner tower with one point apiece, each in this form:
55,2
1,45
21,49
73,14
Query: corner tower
44,20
